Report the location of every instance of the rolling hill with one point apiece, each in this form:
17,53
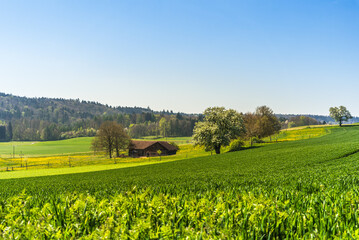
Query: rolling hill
289,190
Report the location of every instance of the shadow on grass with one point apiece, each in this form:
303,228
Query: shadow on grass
345,126
245,148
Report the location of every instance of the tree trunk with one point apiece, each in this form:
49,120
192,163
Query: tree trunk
251,141
340,123
217,149
117,152
109,144
116,146
110,149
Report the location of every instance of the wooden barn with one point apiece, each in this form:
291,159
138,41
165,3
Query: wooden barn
150,148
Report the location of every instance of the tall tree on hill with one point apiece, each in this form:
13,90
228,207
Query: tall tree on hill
121,139
164,127
111,137
340,114
219,127
250,121
268,124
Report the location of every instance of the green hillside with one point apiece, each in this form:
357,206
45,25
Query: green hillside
299,189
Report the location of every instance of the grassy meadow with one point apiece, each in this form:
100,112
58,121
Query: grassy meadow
300,133
77,153
62,157
64,147
306,189
48,148
63,164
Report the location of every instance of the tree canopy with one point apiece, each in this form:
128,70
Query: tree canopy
218,128
111,137
298,121
268,123
340,114
262,123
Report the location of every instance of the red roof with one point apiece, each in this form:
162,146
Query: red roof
146,144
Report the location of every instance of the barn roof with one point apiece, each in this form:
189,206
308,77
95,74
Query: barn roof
145,144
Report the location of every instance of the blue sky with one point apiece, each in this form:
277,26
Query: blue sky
294,56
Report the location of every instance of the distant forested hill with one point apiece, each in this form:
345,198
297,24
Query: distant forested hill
36,119
25,118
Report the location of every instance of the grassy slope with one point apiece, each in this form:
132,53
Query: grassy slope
67,170
79,163
290,190
52,165
258,164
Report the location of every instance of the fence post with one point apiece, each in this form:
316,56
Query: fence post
69,162
48,164
26,165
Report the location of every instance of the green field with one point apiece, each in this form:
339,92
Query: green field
75,153
289,190
70,146
36,164
88,163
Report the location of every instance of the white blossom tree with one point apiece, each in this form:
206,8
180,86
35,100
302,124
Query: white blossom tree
219,127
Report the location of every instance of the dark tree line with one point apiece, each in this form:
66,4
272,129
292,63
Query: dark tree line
166,126
26,119
299,121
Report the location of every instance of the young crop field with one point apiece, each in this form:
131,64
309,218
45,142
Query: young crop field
294,189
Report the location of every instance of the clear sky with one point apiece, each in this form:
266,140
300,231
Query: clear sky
296,56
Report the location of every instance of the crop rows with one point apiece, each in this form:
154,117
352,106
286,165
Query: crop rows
303,189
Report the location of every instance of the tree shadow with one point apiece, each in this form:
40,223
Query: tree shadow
245,148
252,147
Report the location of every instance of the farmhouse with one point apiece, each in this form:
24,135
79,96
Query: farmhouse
150,148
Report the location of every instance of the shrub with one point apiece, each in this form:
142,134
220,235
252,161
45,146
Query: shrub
258,140
236,145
